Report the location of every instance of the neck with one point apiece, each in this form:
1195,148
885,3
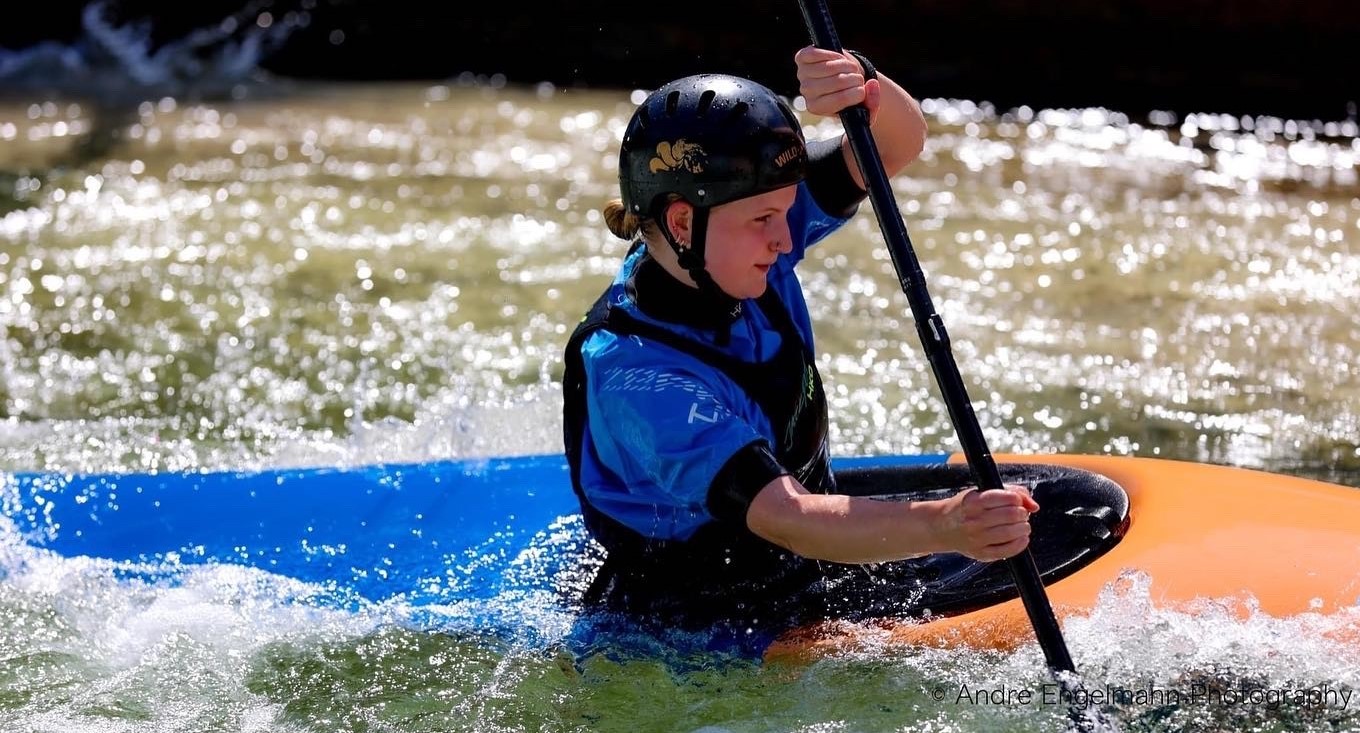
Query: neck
664,256
670,294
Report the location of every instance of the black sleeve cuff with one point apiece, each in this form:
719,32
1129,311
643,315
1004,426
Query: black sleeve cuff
829,180
748,471
869,71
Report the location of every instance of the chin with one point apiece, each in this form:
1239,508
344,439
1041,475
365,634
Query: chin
746,289
756,289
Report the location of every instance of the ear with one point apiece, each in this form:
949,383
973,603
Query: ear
680,221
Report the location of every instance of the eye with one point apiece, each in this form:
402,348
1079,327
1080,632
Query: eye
764,219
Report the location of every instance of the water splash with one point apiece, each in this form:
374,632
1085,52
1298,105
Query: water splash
113,62
1142,666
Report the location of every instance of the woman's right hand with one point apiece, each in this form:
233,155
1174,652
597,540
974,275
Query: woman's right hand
987,525
830,81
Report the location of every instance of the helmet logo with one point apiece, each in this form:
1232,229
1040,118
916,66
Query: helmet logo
678,155
783,158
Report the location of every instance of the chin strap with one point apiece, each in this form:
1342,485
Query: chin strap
691,258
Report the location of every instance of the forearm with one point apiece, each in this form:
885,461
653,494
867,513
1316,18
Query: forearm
899,128
843,528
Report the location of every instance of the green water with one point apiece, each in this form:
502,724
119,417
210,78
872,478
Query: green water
235,281
316,275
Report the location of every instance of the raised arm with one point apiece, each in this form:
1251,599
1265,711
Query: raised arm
831,81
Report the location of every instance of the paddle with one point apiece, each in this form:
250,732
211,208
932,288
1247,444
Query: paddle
930,328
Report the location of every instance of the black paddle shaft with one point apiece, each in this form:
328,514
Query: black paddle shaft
934,338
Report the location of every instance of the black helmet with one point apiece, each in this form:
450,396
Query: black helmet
711,138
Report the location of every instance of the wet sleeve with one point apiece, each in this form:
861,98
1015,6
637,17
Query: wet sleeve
829,180
739,480
663,429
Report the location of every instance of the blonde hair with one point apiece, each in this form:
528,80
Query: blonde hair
626,225
622,223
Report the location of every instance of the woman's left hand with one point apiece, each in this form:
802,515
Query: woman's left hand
831,81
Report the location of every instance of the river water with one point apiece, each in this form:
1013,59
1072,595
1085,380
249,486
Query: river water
345,274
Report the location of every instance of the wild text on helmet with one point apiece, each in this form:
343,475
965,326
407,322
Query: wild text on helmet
786,156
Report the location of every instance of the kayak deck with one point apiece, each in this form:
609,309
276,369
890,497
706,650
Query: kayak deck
1200,534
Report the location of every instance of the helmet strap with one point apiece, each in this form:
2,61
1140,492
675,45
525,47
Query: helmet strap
691,259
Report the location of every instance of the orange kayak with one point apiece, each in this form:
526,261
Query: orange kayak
1247,540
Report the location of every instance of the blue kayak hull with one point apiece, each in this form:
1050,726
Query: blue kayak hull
428,532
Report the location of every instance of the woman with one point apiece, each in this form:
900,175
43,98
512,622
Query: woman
695,419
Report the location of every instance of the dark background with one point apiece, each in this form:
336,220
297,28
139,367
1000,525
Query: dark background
1236,56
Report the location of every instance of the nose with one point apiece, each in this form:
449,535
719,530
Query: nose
782,241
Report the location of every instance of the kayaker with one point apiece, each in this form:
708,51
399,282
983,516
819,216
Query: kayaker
695,417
